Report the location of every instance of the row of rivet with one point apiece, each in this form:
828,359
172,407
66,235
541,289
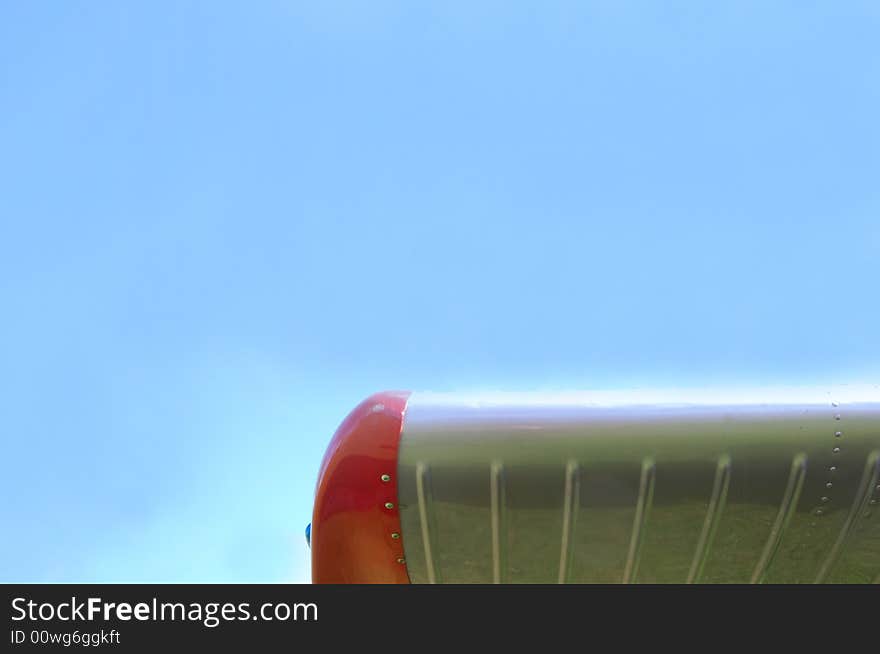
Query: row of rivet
390,505
378,408
832,469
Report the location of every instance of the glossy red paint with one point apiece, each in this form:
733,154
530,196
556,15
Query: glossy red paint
351,525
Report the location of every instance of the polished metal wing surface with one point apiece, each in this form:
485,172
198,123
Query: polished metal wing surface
743,486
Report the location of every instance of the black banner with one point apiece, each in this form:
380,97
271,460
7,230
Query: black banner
123,618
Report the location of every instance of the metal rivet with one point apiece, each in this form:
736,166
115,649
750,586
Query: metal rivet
389,505
395,535
835,404
819,512
829,485
837,416
824,498
832,469
385,477
836,450
838,434
401,560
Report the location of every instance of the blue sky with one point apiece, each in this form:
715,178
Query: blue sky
224,224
